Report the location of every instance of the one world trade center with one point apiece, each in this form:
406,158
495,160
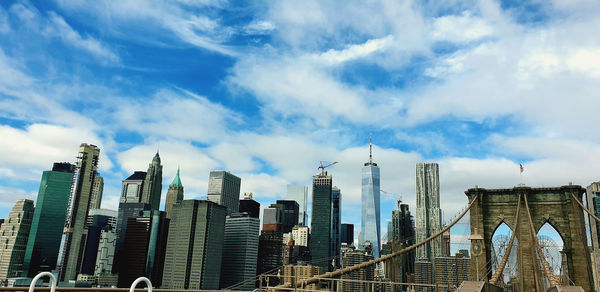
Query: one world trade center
370,213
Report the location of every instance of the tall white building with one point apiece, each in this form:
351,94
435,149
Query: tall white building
429,214
300,235
299,194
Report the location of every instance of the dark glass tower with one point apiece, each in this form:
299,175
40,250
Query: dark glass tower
290,214
48,220
347,233
250,206
320,239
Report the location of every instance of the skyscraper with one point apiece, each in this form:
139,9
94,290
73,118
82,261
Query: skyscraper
429,214
250,206
126,211
74,233
336,225
97,189
224,189
320,240
300,195
289,213
132,187
106,251
370,208
13,237
402,235
270,242
48,220
153,184
97,220
240,251
174,194
195,246
347,233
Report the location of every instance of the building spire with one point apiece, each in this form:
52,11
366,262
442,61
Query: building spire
370,148
176,181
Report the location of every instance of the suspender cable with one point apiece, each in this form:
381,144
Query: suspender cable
500,269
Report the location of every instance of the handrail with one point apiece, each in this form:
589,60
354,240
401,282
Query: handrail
504,260
43,274
137,281
381,259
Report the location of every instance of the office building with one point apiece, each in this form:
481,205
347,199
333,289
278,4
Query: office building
97,189
14,233
132,187
195,246
126,211
174,194
97,220
270,251
402,235
347,233
300,195
250,206
336,226
153,184
452,271
353,257
106,252
273,218
423,272
300,235
321,219
48,220
370,206
293,274
74,233
429,214
289,214
240,251
224,189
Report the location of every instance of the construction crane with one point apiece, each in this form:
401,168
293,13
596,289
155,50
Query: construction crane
391,194
322,168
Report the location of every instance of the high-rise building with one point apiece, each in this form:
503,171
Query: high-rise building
273,218
370,225
97,189
153,184
48,220
250,206
106,251
300,235
174,194
429,214
423,272
270,242
353,257
320,239
451,271
347,233
13,239
240,251
289,213
336,225
195,246
133,187
97,220
402,235
224,189
74,233
126,211
300,195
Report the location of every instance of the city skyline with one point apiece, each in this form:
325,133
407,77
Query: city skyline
476,87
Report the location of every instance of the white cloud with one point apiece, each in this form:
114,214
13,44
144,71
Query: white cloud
9,196
260,27
460,28
334,57
586,62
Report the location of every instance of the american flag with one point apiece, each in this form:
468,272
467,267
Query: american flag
521,167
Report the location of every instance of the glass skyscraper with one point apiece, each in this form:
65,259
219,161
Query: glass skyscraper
300,195
335,244
48,220
321,221
370,225
224,189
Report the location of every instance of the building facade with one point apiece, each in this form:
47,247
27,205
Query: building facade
97,220
336,226
48,220
452,271
14,233
348,233
74,232
300,195
295,273
97,190
593,203
174,194
153,184
353,257
300,235
195,246
289,214
250,206
106,252
429,214
370,221
224,189
132,187
240,251
402,235
320,239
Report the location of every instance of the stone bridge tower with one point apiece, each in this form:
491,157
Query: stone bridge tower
552,205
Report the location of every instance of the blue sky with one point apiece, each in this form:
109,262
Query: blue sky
267,89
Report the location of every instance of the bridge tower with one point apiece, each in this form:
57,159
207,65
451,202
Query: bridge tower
552,205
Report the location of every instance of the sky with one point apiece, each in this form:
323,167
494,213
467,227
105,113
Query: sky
268,89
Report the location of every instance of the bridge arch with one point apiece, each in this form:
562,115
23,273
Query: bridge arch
547,205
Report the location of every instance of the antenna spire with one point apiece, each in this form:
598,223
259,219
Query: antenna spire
370,148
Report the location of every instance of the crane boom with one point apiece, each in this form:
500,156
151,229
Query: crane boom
322,168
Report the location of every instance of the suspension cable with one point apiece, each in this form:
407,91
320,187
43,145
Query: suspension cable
500,268
547,268
343,271
584,208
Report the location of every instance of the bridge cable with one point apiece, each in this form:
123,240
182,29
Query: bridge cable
547,268
343,271
584,208
500,268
